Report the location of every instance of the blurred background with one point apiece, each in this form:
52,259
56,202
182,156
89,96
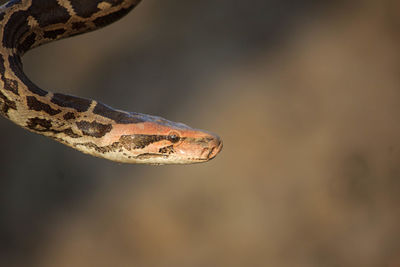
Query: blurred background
305,95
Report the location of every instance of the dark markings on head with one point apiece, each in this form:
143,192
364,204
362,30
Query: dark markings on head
203,142
67,101
69,116
6,104
54,33
16,67
167,150
94,129
140,141
34,104
117,116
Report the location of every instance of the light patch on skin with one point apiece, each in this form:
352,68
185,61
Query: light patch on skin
67,5
140,126
92,106
32,22
103,5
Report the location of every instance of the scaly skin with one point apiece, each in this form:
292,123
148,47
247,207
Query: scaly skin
83,124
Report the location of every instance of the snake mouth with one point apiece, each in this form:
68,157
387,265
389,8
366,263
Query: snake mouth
146,156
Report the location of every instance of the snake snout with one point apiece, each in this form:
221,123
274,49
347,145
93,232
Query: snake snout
215,147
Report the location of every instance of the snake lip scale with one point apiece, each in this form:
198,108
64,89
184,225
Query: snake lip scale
84,124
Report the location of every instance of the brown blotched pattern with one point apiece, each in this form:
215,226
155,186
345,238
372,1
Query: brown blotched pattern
94,129
78,122
6,104
31,23
36,105
67,101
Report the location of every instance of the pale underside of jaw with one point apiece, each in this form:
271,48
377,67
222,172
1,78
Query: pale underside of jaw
159,159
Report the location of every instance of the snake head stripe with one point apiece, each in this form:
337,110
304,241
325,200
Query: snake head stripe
156,141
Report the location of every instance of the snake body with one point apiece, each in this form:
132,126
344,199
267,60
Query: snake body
83,124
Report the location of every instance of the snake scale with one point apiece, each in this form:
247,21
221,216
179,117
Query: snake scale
84,124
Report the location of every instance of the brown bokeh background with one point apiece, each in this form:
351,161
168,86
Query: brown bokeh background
305,95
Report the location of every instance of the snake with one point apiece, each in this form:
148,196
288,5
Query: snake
84,124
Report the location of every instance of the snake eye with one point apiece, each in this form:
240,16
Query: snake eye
174,137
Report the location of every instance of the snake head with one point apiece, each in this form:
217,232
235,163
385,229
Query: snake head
159,141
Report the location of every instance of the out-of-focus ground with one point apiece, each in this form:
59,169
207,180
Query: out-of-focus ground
305,95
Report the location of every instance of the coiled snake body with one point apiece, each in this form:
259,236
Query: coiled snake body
84,124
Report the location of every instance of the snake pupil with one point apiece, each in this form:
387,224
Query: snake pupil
174,138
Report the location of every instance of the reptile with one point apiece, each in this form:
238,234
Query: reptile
84,124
